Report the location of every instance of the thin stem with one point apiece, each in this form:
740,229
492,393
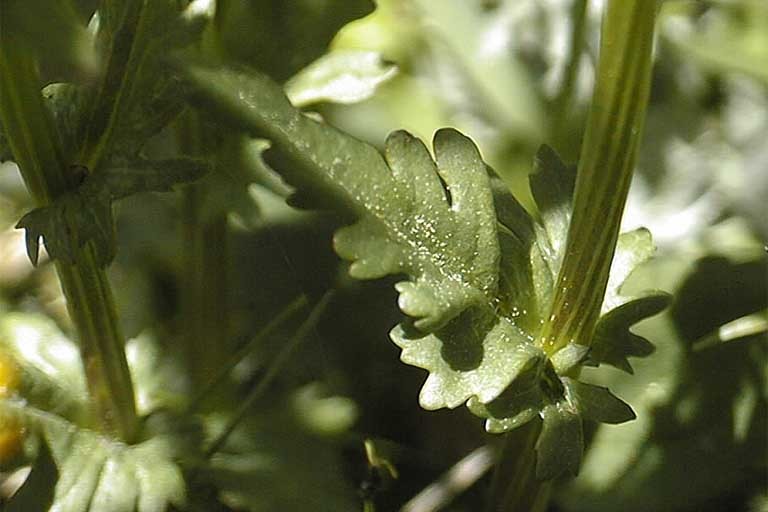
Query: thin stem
274,369
608,157
247,348
461,476
37,150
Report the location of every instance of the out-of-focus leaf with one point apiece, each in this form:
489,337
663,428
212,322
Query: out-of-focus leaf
270,463
138,96
281,37
341,76
51,374
561,442
701,414
37,491
56,35
95,471
487,65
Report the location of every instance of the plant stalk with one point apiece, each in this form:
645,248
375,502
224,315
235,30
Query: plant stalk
514,487
614,128
37,150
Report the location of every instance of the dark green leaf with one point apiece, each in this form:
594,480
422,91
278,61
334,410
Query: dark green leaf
281,37
597,403
614,343
85,215
561,442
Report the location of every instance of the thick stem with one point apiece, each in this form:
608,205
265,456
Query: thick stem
608,156
37,150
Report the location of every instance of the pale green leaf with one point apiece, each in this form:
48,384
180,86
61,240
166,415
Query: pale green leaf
466,362
341,76
96,471
51,372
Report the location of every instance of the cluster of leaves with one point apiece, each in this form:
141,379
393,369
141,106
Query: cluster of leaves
479,267
481,270
92,470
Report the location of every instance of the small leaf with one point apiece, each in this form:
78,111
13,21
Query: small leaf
85,215
569,358
561,442
597,403
341,76
613,343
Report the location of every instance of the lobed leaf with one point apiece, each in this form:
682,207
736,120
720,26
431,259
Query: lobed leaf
481,270
91,470
407,221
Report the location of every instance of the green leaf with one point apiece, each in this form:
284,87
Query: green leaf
248,31
597,403
51,372
481,269
341,76
85,215
58,38
561,442
272,462
613,343
138,96
406,220
465,362
96,471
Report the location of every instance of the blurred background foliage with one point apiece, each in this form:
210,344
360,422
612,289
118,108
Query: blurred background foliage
512,74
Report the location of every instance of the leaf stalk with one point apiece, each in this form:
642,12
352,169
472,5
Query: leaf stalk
609,152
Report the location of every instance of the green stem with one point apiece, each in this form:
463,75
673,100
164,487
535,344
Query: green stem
274,369
37,150
608,157
514,487
205,311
